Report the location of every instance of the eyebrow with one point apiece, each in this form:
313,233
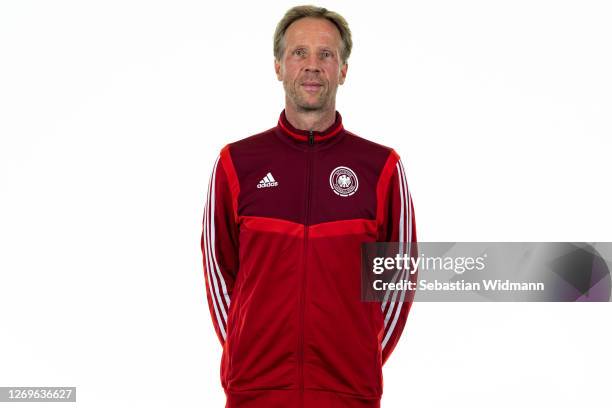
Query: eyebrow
322,47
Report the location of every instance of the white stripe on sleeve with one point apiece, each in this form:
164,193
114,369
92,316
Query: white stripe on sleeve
211,261
405,242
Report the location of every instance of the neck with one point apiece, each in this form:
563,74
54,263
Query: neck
317,120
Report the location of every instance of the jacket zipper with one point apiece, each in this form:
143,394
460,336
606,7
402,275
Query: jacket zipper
309,165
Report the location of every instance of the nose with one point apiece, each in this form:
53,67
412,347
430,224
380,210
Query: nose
312,64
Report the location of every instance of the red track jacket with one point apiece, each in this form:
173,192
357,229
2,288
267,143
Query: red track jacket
285,216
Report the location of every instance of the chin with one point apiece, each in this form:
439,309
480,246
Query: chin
311,106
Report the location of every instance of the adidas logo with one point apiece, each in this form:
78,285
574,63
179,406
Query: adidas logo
267,181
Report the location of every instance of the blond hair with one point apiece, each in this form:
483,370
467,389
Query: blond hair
298,12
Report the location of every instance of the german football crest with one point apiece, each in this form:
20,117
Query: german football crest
343,181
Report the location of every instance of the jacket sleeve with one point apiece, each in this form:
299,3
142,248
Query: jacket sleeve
219,241
397,225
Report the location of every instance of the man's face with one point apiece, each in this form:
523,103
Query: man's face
311,68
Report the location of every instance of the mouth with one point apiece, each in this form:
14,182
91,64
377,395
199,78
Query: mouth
311,86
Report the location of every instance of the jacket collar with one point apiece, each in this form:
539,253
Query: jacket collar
305,136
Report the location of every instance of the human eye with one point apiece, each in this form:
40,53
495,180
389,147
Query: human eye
300,52
326,54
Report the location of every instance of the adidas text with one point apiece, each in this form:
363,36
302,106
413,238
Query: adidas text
268,184
267,181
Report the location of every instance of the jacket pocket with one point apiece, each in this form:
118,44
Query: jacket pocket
342,348
261,350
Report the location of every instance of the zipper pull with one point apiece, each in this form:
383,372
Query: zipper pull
311,138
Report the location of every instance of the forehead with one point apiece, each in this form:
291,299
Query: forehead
313,31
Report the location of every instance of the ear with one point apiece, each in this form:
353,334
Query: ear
277,69
343,73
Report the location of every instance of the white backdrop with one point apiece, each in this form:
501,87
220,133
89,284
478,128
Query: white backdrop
111,115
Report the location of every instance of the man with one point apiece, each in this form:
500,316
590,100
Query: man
286,213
